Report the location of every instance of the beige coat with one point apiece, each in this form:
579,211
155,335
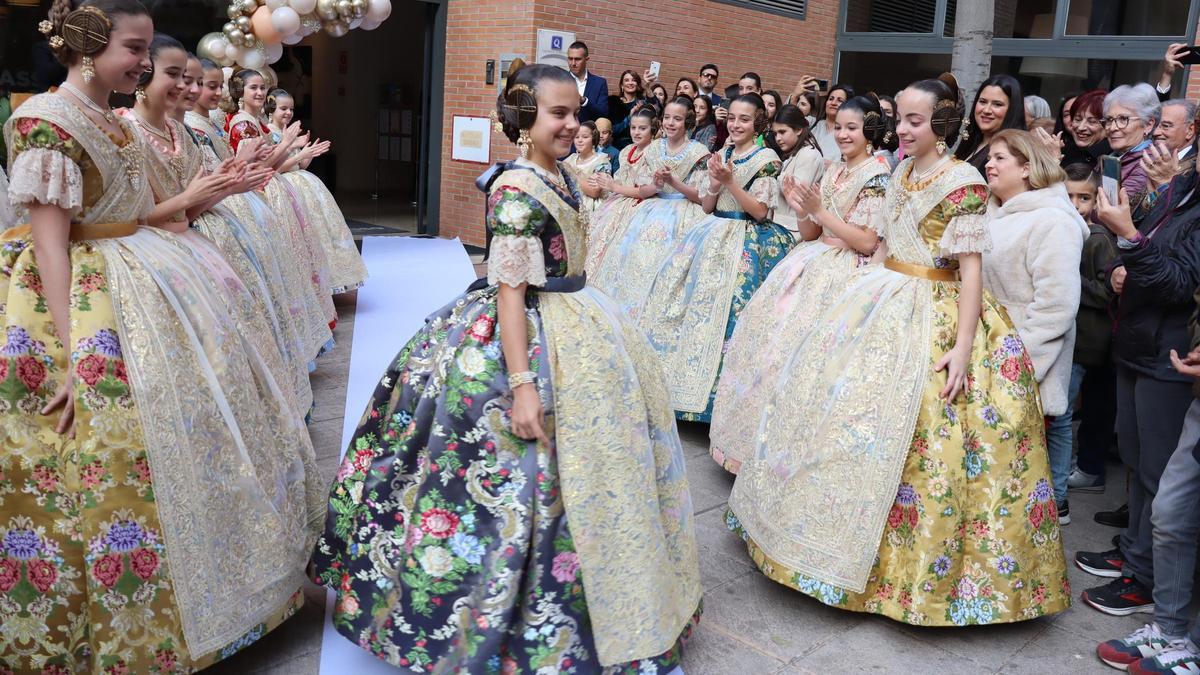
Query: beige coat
1033,270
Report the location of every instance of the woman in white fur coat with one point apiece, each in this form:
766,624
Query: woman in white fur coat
1033,268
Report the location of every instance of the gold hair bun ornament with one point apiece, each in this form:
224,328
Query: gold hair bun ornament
45,27
86,30
496,125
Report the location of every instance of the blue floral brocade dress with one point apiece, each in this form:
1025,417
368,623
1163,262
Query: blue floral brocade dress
455,546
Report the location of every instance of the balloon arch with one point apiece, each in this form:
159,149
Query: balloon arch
258,29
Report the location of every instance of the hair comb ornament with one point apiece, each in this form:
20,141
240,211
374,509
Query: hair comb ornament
86,31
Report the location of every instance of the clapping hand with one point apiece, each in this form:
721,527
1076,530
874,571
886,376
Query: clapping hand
663,177
1160,163
1053,142
720,171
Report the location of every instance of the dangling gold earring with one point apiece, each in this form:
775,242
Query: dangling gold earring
140,94
940,146
870,148
87,69
524,143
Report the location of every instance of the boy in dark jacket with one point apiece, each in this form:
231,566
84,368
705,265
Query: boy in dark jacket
1092,371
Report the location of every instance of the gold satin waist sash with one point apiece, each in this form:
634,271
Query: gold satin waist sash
81,231
921,271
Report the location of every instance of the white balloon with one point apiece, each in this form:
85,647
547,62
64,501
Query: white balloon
302,6
227,71
355,23
293,39
274,52
368,24
253,58
285,20
275,4
378,10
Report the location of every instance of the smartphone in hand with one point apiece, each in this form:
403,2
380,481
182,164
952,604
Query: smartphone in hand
655,68
1110,176
1190,56
822,85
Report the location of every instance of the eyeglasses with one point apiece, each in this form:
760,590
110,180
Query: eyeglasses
708,76
1119,122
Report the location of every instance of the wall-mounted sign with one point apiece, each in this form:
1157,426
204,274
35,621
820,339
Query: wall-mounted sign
472,139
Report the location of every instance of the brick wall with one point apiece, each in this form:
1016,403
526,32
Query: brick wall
680,34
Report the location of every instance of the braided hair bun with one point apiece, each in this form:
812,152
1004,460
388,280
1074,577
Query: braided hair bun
84,31
947,118
516,107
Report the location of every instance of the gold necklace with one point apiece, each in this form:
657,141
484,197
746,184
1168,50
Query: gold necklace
87,101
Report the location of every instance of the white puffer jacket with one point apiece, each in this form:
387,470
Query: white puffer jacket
1033,270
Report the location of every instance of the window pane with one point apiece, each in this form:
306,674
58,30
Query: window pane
890,16
1054,79
1128,17
889,73
1015,18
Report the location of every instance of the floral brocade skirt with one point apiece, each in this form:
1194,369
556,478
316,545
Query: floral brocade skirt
768,333
327,225
765,245
448,541
89,569
972,536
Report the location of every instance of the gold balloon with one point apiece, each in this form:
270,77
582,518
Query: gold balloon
358,8
327,9
248,40
236,36
336,28
248,6
243,23
234,11
269,76
343,8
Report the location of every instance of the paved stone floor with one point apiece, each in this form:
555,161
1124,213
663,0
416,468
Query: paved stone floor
751,625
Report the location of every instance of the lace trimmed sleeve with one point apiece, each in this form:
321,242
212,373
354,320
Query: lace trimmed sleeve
867,210
45,167
516,220
765,186
965,209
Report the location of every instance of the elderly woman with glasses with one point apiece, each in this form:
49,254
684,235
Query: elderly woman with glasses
1131,112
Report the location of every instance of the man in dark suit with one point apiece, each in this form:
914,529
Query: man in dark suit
1177,129
593,89
708,83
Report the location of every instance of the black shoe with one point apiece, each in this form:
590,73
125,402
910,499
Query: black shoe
1118,518
1064,512
1104,564
1120,597
1116,541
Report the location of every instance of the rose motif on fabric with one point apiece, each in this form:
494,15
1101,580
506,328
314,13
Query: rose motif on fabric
144,563
31,372
108,570
471,362
436,561
42,575
439,523
515,215
566,567
10,574
91,369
